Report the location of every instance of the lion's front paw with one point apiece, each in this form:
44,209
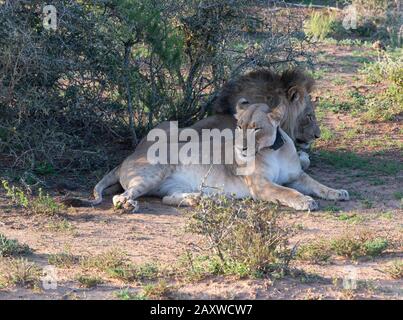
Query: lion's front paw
343,195
191,200
305,203
122,202
119,201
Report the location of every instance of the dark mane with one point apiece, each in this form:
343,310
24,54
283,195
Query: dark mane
295,77
259,86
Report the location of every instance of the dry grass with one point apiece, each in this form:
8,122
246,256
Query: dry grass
395,269
19,272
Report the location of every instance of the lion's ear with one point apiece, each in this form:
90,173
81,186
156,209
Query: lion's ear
294,94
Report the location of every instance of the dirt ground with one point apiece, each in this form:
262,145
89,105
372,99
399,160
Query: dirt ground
157,234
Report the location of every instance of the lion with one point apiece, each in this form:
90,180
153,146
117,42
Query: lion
265,86
276,176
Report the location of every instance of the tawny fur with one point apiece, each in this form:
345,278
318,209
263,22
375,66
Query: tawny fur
276,177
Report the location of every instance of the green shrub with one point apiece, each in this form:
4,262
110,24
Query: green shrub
316,252
112,70
375,247
11,247
320,25
245,237
89,281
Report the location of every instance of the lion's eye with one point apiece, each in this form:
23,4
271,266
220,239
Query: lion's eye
310,118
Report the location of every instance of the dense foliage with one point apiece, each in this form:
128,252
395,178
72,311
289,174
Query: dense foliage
113,69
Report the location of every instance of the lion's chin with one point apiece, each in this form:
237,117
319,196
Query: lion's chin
303,145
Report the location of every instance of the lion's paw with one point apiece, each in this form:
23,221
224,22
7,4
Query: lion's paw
343,195
191,200
305,203
122,202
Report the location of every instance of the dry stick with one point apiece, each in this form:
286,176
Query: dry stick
128,47
313,6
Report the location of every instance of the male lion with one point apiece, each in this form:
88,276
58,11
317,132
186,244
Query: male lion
276,175
264,86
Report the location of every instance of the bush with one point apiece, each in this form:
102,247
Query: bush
11,247
114,69
379,19
245,237
359,245
321,25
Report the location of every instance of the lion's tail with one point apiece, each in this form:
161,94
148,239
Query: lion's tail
110,179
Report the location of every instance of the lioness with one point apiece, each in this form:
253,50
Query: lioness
264,86
277,175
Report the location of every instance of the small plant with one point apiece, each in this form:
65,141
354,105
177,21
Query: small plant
398,195
129,273
375,247
355,246
334,106
316,252
367,204
332,208
45,204
11,247
339,81
21,272
17,196
103,262
326,134
200,266
62,225
63,260
114,263
89,281
351,218
44,168
42,204
156,291
395,269
125,294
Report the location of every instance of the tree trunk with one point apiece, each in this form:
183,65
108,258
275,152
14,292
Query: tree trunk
126,69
